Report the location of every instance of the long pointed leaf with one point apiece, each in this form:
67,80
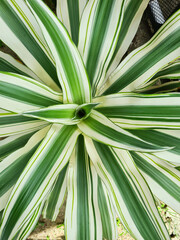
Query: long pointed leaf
143,63
130,193
19,93
142,111
38,177
70,68
132,16
163,180
21,32
69,12
161,137
82,220
9,64
98,34
101,129
56,196
107,211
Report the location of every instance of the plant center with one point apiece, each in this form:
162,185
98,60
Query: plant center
81,113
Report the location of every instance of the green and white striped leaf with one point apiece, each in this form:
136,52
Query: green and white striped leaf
15,124
56,196
70,67
107,211
21,32
9,64
143,63
19,93
12,143
130,110
4,199
172,71
30,224
171,86
64,114
162,137
82,218
38,178
69,12
129,191
12,166
132,16
99,30
101,129
163,180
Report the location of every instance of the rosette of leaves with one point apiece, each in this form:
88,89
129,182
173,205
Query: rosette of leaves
79,121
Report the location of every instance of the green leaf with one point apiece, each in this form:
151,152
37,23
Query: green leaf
130,193
56,196
101,129
12,143
172,71
38,178
171,86
19,93
21,32
143,63
70,67
107,211
69,12
132,16
162,137
162,179
9,64
64,114
12,124
12,166
130,110
67,114
82,217
99,30
30,224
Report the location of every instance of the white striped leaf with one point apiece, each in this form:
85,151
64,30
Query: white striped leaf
162,137
172,71
56,196
9,64
70,67
19,93
69,12
67,114
82,217
12,143
130,193
4,199
163,180
12,166
99,30
21,32
143,63
30,224
107,211
132,16
130,110
101,129
38,178
171,86
13,124
64,114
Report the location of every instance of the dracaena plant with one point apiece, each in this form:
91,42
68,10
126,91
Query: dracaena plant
80,121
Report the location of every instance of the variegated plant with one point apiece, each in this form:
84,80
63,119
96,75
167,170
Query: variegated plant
80,123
